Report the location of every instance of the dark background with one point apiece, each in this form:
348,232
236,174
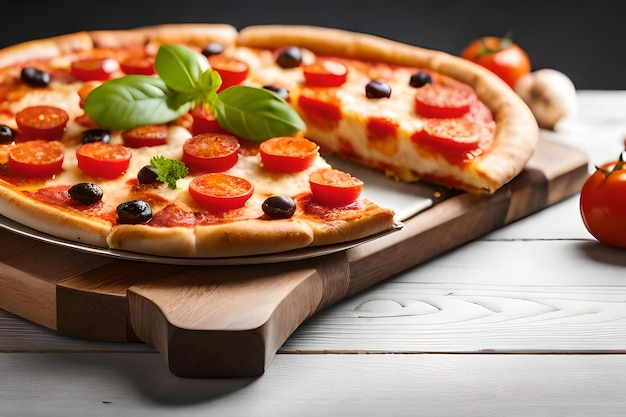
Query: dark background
584,39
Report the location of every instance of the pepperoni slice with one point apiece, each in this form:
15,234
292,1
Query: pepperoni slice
211,152
442,101
219,192
334,188
320,108
102,160
325,73
232,71
288,154
149,135
141,65
458,135
42,122
36,159
94,69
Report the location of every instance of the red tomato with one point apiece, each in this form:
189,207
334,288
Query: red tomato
94,69
499,55
138,65
452,134
441,101
288,154
325,73
36,159
42,122
103,160
233,71
334,188
204,121
603,204
211,152
219,192
149,135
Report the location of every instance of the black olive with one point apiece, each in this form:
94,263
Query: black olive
279,91
289,57
378,89
6,134
85,193
96,135
212,48
133,212
420,79
148,175
279,207
35,77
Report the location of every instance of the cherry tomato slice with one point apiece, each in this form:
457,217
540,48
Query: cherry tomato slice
442,101
42,122
204,121
219,192
458,135
334,188
149,135
138,66
325,73
287,154
103,160
211,152
233,71
94,69
36,159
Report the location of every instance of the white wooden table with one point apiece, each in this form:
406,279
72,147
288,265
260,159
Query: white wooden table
529,320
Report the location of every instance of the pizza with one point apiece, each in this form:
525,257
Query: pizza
198,140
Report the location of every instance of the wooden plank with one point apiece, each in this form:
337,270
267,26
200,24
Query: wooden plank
230,321
518,296
438,385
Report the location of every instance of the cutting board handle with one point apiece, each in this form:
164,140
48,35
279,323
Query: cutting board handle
230,321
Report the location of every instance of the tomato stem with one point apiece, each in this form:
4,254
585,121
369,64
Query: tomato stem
618,166
504,43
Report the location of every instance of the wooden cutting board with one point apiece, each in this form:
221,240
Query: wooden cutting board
229,321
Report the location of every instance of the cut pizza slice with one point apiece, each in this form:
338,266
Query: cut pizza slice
409,112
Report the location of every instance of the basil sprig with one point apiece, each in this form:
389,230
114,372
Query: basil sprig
185,80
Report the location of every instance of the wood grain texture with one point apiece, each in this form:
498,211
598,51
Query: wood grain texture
230,321
434,385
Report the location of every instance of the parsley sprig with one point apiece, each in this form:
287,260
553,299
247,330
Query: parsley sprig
169,170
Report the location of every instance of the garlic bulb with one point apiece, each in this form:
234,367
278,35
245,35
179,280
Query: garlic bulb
550,95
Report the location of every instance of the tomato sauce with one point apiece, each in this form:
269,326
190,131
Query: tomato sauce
307,207
58,196
174,215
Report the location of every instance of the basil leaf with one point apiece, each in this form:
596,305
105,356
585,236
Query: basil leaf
179,67
135,100
256,113
209,82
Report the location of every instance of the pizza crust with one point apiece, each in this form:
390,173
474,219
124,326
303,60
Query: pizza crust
241,238
53,220
46,48
197,35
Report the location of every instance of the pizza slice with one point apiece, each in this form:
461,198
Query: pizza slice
413,113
